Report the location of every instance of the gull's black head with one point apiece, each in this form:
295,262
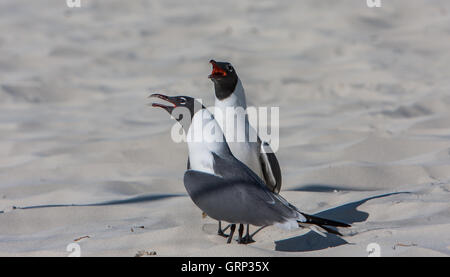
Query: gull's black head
224,78
182,109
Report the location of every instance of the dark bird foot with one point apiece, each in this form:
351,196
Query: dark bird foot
222,234
246,240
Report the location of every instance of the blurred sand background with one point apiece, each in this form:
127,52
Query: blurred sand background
364,134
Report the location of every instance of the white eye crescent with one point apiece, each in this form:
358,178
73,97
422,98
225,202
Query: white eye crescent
229,68
183,100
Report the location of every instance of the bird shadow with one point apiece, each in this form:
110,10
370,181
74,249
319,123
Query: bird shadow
311,241
131,200
308,242
323,188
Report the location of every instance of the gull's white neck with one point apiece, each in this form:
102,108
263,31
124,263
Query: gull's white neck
204,138
242,138
227,111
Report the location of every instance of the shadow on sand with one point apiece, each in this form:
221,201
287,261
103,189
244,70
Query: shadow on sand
311,241
132,200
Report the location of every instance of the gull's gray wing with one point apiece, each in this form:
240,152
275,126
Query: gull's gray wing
236,199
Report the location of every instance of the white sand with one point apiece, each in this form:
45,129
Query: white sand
365,122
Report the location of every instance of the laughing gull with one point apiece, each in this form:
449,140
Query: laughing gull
231,103
230,99
224,187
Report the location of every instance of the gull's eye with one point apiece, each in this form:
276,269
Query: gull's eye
229,68
183,100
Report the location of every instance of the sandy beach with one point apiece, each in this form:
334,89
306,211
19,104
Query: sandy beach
364,98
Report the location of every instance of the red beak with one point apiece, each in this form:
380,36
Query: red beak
165,98
217,72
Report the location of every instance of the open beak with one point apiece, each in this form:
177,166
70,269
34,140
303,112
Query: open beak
217,72
169,99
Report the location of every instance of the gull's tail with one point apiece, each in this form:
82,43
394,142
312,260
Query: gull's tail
320,225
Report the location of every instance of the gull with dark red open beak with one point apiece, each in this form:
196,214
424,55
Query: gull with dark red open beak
230,101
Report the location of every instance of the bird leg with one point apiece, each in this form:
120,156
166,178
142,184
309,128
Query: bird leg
221,232
247,239
241,231
232,228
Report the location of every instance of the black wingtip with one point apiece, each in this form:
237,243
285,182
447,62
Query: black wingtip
330,230
322,221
